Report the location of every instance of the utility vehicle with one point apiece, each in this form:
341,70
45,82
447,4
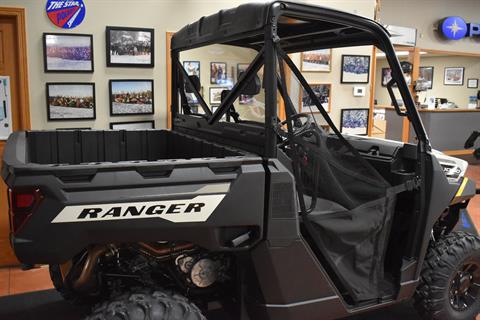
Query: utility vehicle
274,219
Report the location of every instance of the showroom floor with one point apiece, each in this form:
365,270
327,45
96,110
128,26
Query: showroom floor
33,294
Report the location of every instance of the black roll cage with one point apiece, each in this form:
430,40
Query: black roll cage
313,28
345,30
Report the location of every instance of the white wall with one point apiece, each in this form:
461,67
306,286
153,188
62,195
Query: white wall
456,94
424,15
231,56
341,93
163,15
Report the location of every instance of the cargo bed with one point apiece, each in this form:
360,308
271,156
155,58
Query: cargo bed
60,150
75,147
85,169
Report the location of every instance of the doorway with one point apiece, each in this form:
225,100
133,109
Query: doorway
13,63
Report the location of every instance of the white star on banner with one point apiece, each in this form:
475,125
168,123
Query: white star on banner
455,28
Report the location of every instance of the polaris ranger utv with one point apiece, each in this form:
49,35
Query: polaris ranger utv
271,219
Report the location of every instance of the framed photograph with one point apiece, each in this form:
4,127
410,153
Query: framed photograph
70,101
323,91
192,68
216,95
316,61
130,47
244,99
454,76
218,72
354,121
386,76
68,52
241,67
426,74
133,125
472,83
355,69
131,97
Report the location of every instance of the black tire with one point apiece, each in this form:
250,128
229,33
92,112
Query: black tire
67,293
147,305
436,297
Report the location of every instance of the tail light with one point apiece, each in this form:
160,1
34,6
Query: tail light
23,203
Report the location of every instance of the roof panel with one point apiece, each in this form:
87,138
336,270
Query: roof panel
299,24
226,24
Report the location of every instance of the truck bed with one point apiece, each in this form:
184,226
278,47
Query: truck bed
131,170
74,147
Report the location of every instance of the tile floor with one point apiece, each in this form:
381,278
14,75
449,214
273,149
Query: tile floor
15,281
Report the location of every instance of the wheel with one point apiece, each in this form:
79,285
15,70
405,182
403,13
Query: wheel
57,280
67,293
449,286
143,305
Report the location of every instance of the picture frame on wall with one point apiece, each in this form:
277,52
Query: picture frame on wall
426,74
70,53
130,47
192,68
133,125
355,69
216,95
316,61
218,72
70,101
386,76
131,97
472,83
323,91
354,121
454,76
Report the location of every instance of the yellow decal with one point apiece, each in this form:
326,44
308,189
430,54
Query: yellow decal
462,187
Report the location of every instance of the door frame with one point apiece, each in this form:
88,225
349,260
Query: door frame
21,117
18,15
168,62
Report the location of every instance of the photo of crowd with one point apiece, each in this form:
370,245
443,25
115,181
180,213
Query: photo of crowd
355,69
68,53
317,60
127,46
354,121
323,91
128,97
68,101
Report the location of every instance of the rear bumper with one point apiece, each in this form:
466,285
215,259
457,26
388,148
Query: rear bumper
242,184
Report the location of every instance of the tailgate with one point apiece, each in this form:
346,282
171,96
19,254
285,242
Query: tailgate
208,202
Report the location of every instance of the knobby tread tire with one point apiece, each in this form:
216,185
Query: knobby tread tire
68,294
443,259
147,305
56,276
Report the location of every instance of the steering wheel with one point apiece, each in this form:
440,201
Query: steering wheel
301,122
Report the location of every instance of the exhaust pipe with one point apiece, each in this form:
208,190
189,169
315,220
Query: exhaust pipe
89,267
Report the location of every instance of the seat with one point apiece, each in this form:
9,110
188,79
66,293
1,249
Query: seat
323,208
